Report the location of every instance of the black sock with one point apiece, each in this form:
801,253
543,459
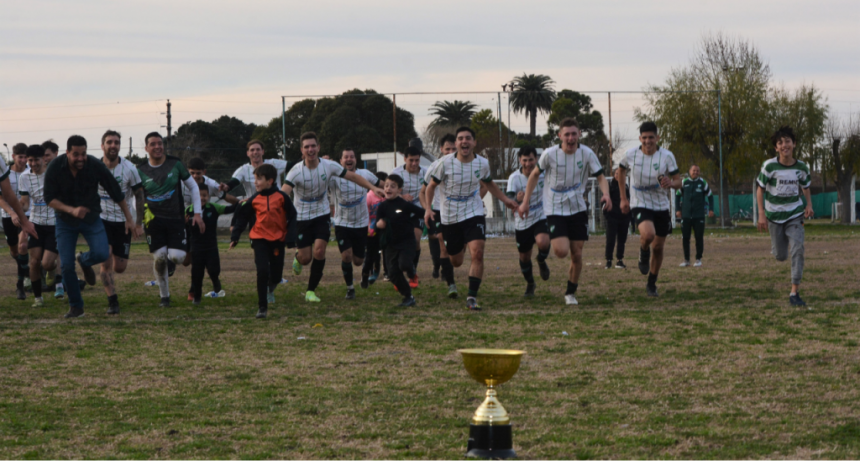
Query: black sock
415,259
58,279
216,284
434,252
542,255
474,286
317,267
37,288
346,268
447,270
23,266
113,299
652,279
571,288
526,269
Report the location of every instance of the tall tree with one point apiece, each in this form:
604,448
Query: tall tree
502,158
844,140
577,105
452,113
532,93
274,145
220,143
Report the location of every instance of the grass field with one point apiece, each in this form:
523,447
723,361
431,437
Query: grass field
718,367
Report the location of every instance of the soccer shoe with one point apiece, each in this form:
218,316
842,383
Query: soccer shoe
652,290
19,290
49,279
544,270
196,301
59,293
608,264
89,273
408,301
472,304
530,290
795,300
190,297
620,265
311,297
373,276
452,291
39,302
435,274
644,261
297,268
165,302
698,263
82,284
365,282
74,313
350,293
28,284
113,308
413,282
171,268
684,264
570,300
213,294
262,313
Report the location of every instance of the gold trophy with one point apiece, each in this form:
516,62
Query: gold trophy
490,430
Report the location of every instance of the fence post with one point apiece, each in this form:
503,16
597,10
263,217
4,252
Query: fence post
755,201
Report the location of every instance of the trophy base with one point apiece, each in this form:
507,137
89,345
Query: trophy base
490,442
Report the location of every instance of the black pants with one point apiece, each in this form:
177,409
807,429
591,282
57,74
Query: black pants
616,231
269,259
371,258
202,262
697,225
400,261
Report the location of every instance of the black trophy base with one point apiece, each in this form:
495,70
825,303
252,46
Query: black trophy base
490,442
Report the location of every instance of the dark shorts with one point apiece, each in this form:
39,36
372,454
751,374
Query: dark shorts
662,220
458,235
168,233
118,239
435,227
11,231
47,238
188,233
573,227
318,228
526,238
351,237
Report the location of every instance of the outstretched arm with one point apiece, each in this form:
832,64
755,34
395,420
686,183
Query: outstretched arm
493,189
534,177
358,179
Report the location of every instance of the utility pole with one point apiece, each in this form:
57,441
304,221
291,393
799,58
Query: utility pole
394,120
129,146
611,150
169,127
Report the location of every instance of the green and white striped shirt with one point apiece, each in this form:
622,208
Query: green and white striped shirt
782,188
14,178
461,183
517,183
310,187
350,200
33,185
643,174
412,182
566,177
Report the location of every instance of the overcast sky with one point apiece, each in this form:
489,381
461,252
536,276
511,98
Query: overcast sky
85,66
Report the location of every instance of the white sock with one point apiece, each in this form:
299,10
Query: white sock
160,270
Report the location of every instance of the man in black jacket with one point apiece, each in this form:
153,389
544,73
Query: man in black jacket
617,224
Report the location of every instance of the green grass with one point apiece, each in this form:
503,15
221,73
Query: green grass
718,367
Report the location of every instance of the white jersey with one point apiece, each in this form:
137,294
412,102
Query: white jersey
14,179
643,176
211,184
33,186
412,182
437,197
461,184
565,179
128,178
245,175
310,187
350,200
517,182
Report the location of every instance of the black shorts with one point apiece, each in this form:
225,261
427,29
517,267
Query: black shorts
318,228
526,238
47,238
458,235
574,227
351,237
168,233
435,227
11,231
662,220
118,239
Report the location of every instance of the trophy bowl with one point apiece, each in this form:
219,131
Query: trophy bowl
491,367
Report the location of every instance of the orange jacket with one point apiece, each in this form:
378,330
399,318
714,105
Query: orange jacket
271,214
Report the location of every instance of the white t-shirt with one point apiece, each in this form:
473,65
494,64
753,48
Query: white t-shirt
211,184
461,183
350,204
565,179
245,175
517,182
643,173
412,182
14,179
128,178
33,186
437,197
310,187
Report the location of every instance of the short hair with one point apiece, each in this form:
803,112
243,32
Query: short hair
252,142
568,122
411,151
76,140
196,163
526,151
36,151
396,179
349,149
111,133
19,149
51,146
648,127
201,185
447,138
783,132
154,134
309,135
465,128
267,171
382,176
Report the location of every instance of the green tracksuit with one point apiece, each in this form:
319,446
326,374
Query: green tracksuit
693,200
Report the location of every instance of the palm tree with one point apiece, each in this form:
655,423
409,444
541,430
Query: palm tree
532,94
456,113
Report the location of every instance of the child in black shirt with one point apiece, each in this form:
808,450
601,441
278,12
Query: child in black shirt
204,247
396,217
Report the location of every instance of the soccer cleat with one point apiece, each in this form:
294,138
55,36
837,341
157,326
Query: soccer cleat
165,302
113,308
435,274
82,284
413,282
262,313
297,268
39,302
698,263
195,301
544,270
364,280
620,265
74,313
151,283
190,297
608,264
795,300
373,277
652,290
171,268
59,293
472,304
684,264
570,300
452,291
89,273
530,290
19,290
350,293
311,297
644,261
408,301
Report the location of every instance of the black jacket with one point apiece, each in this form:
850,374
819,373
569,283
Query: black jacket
80,190
615,196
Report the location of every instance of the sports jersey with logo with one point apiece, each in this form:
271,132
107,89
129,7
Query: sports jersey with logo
460,183
782,186
14,178
412,182
245,174
350,209
517,183
643,176
437,197
211,184
565,179
310,187
32,185
162,188
128,178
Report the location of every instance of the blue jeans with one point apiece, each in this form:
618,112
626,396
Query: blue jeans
67,241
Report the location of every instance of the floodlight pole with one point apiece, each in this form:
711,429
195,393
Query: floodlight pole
723,210
284,126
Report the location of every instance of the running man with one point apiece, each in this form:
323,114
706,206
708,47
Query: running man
531,229
42,249
652,170
350,218
413,187
244,175
438,253
566,168
310,180
690,206
10,219
459,179
780,208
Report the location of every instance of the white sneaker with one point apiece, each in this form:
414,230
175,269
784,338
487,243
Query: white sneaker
685,264
570,300
698,263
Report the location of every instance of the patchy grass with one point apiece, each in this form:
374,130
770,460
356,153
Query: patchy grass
718,367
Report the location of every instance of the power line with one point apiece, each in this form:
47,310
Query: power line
81,105
74,129
73,116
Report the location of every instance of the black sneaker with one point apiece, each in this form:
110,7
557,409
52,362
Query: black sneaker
89,273
530,290
19,290
171,268
472,304
652,290
113,308
350,293
74,313
544,270
608,264
165,302
644,261
435,272
82,284
620,265
407,302
195,301
795,300
262,313
364,280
